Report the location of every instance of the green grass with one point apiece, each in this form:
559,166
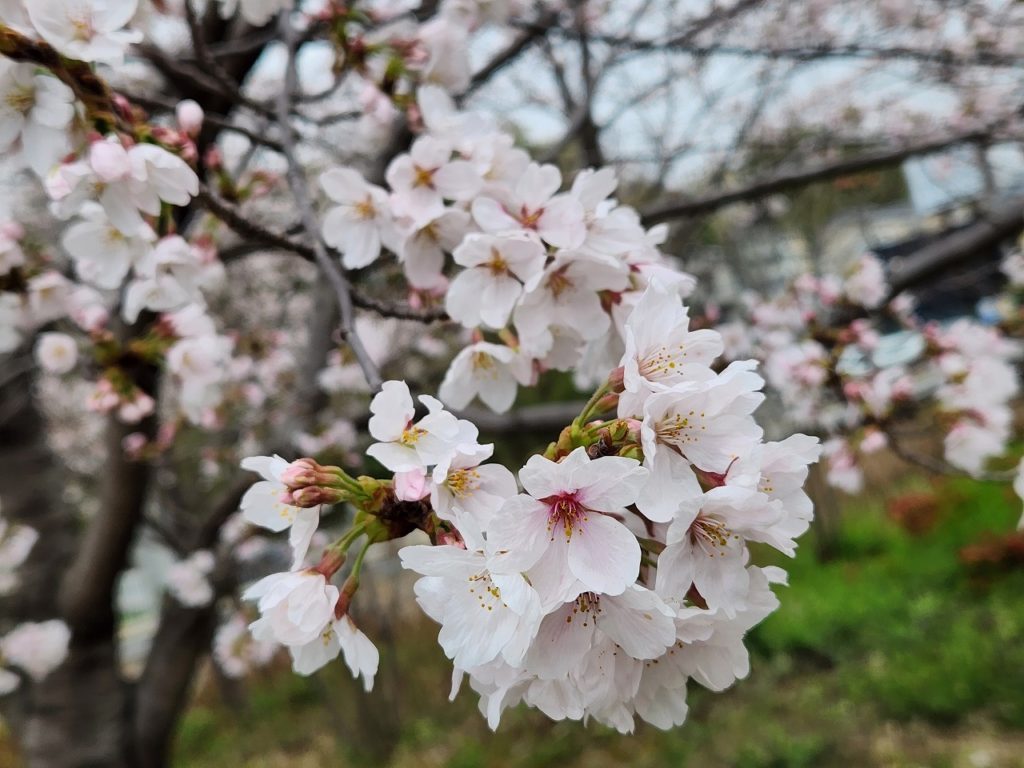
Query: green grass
892,653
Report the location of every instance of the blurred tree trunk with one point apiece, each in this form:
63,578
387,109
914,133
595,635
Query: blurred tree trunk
75,717
827,516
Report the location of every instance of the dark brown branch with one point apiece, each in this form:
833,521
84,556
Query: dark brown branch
510,53
997,223
156,104
802,177
88,587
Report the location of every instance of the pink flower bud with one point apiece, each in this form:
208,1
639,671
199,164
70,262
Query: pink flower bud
109,161
615,379
133,444
300,473
411,485
873,441
214,159
189,116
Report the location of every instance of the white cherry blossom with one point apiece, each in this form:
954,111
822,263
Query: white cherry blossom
567,525
422,179
37,648
483,615
262,505
56,352
534,206
89,30
295,607
404,445
491,372
497,266
36,110
361,222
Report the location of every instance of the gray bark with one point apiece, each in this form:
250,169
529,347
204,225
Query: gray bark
55,724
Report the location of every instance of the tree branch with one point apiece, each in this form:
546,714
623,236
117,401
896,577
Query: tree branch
802,177
297,183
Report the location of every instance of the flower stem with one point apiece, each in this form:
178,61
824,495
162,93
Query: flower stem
595,398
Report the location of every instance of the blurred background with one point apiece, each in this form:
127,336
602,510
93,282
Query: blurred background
777,140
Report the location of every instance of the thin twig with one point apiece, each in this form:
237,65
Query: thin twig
297,183
941,467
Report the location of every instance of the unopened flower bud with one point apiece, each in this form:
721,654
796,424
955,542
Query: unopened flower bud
214,160
412,485
314,495
300,473
608,403
618,431
109,161
616,378
189,116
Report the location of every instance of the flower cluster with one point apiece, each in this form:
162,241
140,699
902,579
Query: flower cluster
543,278
839,374
34,648
613,572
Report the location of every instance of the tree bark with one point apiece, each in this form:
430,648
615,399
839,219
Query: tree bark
75,717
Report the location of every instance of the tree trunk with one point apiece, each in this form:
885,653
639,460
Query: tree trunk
75,717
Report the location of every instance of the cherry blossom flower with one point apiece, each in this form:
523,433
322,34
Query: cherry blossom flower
491,372
36,110
88,30
533,205
866,286
16,543
470,494
48,295
708,422
567,525
263,505
56,353
422,250
188,580
707,545
661,351
167,277
637,620
423,178
11,254
404,445
295,607
361,222
37,648
102,253
496,269
567,295
126,182
1013,268
447,48
340,636
483,615
235,651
